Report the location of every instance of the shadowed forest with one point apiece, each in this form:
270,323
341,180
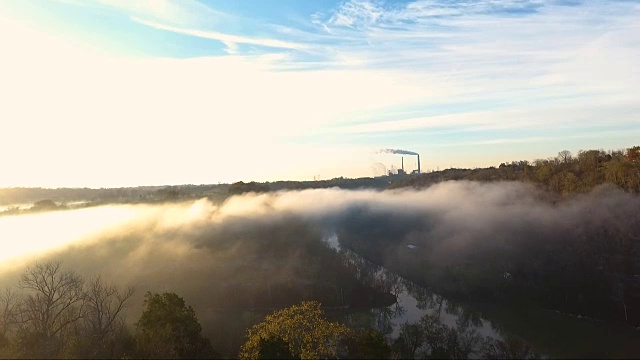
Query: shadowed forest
523,260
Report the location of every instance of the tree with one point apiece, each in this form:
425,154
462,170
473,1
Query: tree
103,324
303,328
55,317
369,344
543,170
461,343
9,302
274,348
616,172
565,156
633,154
411,339
240,187
570,183
510,348
54,302
589,159
44,205
429,338
169,192
439,340
168,328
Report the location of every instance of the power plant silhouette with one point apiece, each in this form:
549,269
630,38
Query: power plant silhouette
402,171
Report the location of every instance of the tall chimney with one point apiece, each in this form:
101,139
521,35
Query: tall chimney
418,163
402,163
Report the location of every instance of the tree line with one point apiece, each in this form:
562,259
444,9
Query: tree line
563,174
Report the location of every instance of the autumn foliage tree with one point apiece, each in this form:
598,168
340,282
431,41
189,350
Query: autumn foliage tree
302,328
633,154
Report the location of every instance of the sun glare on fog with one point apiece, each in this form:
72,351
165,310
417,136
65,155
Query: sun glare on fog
28,236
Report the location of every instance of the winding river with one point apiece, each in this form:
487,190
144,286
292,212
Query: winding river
550,333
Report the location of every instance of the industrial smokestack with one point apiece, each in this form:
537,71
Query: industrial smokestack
402,152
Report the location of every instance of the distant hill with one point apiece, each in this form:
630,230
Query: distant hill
565,174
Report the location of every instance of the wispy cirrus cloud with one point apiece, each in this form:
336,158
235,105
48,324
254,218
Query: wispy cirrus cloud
187,17
183,12
363,13
535,57
228,39
564,116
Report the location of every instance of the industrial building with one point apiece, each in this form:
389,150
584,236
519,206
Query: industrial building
402,171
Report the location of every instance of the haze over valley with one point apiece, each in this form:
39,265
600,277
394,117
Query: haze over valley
365,179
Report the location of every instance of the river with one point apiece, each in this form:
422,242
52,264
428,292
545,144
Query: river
550,333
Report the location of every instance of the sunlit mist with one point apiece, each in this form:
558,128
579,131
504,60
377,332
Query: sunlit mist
31,235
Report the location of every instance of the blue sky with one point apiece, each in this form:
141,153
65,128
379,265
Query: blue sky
120,92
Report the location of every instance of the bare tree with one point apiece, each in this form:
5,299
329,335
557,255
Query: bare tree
53,303
9,302
103,321
564,156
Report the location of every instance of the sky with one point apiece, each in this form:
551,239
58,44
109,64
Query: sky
105,93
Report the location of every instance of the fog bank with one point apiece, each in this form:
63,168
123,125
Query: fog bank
199,249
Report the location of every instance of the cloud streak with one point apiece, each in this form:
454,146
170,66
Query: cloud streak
184,12
227,39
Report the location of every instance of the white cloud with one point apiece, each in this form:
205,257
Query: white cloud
572,114
182,12
355,13
225,38
364,14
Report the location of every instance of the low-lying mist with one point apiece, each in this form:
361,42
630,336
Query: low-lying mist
205,251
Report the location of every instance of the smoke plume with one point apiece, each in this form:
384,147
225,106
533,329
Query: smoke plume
398,151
